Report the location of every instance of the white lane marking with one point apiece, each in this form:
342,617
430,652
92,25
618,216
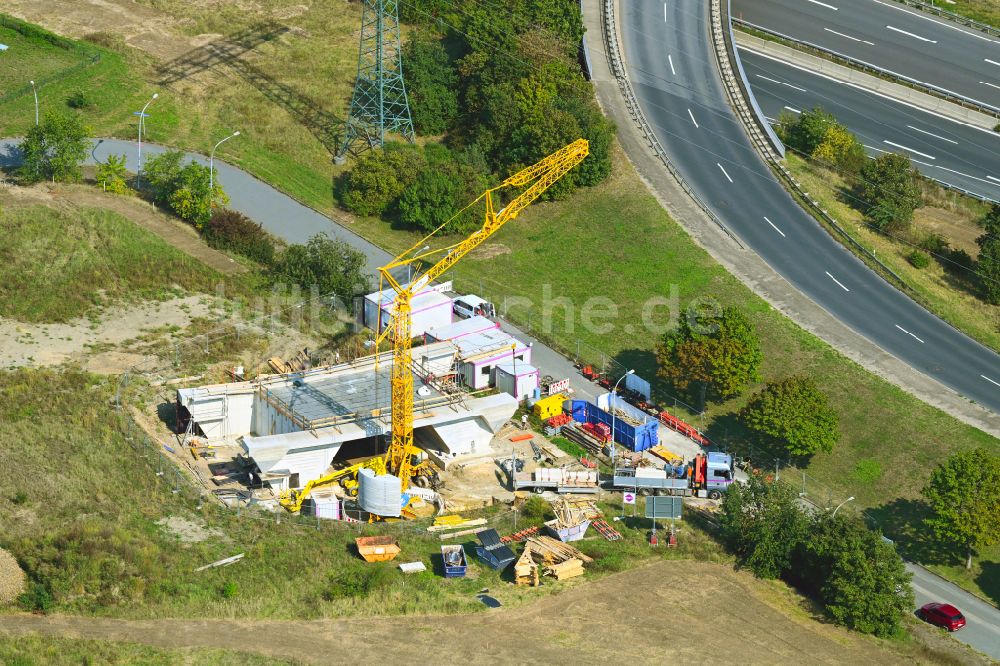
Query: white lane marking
774,227
793,110
692,118
992,62
910,34
767,78
915,152
989,380
917,129
924,16
991,85
868,91
664,12
724,172
909,334
839,283
823,4
840,34
938,166
966,175
670,59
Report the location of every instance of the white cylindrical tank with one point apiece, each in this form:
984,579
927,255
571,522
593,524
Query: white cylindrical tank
381,495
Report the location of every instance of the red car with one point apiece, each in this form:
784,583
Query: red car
943,615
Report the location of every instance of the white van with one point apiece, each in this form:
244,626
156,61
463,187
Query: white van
471,305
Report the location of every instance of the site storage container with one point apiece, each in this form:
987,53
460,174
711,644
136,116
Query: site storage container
548,407
634,437
455,563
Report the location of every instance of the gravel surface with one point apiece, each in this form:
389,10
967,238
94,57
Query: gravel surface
11,578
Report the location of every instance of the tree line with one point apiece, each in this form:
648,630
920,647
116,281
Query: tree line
493,93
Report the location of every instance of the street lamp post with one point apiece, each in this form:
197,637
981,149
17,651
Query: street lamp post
611,404
211,162
142,117
34,91
840,505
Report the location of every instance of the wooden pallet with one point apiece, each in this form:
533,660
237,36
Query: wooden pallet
605,530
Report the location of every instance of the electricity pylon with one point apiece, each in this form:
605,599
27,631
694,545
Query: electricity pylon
379,104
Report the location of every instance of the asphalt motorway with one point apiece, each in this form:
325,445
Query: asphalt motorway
951,152
892,36
982,629
672,66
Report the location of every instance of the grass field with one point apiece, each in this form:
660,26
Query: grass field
35,59
47,651
613,241
950,293
57,265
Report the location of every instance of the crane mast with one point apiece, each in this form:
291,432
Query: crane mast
538,178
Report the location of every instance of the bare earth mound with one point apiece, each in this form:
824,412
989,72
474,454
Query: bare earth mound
690,611
11,578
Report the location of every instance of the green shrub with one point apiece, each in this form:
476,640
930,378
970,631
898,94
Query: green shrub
78,100
229,590
331,266
19,498
536,509
232,230
934,244
358,581
37,598
919,259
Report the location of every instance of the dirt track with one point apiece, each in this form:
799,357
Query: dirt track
696,612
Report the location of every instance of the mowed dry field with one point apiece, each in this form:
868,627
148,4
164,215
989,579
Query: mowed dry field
689,611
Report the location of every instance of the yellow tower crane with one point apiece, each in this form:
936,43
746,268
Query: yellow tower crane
537,179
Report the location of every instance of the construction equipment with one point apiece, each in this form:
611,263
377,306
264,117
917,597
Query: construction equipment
377,548
399,458
348,477
558,479
707,475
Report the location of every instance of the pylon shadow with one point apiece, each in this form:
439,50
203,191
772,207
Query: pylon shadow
229,54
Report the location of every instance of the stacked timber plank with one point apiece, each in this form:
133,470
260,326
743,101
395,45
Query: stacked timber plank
554,551
526,570
571,568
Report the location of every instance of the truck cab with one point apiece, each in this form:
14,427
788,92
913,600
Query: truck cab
471,305
714,472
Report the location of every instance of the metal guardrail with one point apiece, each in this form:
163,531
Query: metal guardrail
621,76
777,167
951,16
928,88
739,88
